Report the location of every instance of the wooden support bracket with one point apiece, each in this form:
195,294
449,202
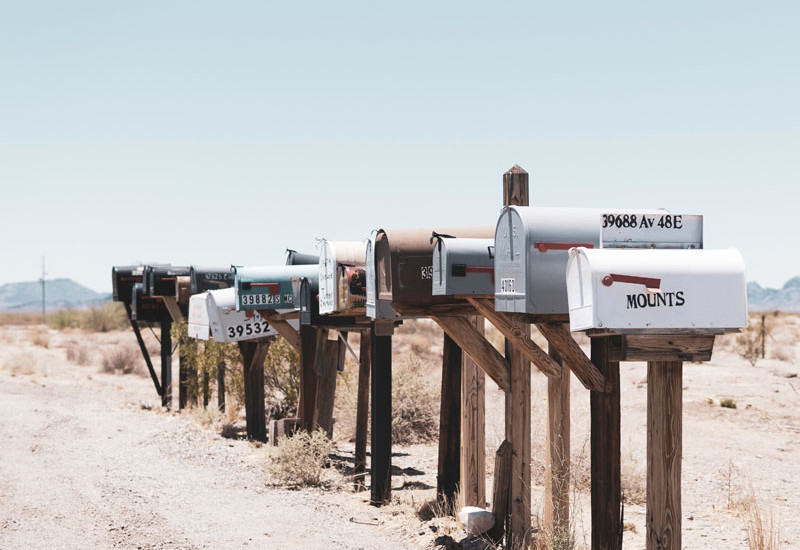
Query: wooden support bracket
572,355
523,342
172,306
657,347
283,328
478,348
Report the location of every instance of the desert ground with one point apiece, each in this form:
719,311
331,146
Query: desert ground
89,459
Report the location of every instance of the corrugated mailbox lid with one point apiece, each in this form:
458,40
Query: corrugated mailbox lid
656,290
404,262
270,287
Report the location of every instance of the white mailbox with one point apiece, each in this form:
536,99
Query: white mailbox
532,244
656,290
377,309
463,266
213,315
342,278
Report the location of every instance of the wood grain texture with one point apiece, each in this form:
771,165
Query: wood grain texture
473,433
449,470
519,530
557,453
657,347
515,187
362,413
605,453
381,407
328,363
518,338
560,338
500,490
283,328
478,348
664,454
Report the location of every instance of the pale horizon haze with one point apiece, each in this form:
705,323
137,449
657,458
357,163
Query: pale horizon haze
222,133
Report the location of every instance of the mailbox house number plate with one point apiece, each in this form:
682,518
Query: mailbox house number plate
265,299
651,231
247,329
507,286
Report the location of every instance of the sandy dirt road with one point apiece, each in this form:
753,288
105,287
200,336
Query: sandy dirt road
83,466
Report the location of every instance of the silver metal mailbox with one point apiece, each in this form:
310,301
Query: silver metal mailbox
259,288
656,290
532,244
342,277
463,266
213,316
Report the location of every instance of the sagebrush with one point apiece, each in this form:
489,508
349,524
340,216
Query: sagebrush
301,458
415,403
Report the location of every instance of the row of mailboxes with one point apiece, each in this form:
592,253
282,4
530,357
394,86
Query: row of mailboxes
213,316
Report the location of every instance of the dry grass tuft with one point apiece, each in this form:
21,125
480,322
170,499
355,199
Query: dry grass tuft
301,459
79,354
21,364
40,337
415,404
123,360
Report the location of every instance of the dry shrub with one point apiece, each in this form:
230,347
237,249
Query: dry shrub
762,532
20,318
301,458
206,417
107,317
415,406
781,353
281,379
633,480
123,360
79,354
41,338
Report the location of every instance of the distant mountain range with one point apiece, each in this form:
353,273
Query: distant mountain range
770,299
66,293
59,294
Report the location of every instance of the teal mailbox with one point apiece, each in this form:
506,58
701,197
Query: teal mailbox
259,288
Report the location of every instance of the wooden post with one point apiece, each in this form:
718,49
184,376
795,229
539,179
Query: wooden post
166,363
183,379
500,496
763,336
206,389
473,442
332,356
664,453
518,400
557,459
221,386
309,337
253,355
605,443
449,425
519,530
381,401
362,412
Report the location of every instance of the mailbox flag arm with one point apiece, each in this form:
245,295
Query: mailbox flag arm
651,283
544,247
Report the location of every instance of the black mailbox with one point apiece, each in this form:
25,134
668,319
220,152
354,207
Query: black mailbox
123,277
293,257
149,309
160,280
205,278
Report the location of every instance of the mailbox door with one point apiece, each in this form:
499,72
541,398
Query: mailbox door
198,322
334,255
376,307
352,290
510,266
652,290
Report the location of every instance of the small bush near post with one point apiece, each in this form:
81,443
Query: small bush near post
301,459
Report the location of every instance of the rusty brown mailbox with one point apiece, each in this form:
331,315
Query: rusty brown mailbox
399,268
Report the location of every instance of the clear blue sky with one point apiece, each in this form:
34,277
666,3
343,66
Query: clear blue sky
223,132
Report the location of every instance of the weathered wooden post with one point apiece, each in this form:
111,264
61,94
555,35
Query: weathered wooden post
606,485
518,400
253,355
166,362
381,398
310,339
557,452
362,412
331,356
221,386
447,479
473,431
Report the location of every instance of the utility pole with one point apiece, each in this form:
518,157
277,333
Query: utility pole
43,294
